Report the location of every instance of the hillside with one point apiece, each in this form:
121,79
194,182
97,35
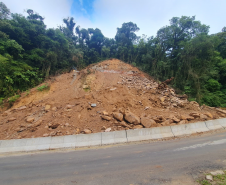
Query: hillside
107,96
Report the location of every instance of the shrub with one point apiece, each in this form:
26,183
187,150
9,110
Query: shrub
43,87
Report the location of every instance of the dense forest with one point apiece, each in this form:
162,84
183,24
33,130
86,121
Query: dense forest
30,53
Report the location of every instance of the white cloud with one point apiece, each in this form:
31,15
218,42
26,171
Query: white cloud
151,15
53,10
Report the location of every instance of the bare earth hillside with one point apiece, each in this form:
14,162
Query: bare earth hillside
108,96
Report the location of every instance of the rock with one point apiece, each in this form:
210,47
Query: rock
209,115
67,124
53,133
69,106
108,130
108,118
47,107
85,87
123,123
21,108
53,126
195,115
162,99
6,113
132,118
11,119
221,111
87,131
203,117
45,135
182,122
38,123
146,108
137,126
103,128
93,105
176,120
167,122
218,172
147,122
118,116
54,108
209,177
30,119
113,89
105,113
184,117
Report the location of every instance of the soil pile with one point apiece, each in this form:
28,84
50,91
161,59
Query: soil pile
104,97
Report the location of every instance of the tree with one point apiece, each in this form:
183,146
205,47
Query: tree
4,11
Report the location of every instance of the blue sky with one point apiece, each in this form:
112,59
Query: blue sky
107,15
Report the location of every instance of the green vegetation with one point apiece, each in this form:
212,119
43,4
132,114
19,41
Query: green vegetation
13,99
43,87
217,180
30,53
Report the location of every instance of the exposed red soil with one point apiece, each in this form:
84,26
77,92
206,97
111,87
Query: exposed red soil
115,87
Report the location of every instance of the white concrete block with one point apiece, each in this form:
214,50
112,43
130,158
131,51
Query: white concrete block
213,125
222,122
57,142
69,141
185,129
88,140
198,127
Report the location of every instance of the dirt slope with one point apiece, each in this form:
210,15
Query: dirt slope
108,96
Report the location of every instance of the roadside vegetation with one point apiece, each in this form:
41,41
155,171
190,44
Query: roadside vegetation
219,179
30,53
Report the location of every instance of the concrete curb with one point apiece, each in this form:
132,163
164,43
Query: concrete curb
104,138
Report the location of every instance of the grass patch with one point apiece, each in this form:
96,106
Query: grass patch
13,99
217,180
43,87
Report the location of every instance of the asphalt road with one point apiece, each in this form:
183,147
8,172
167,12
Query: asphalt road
172,162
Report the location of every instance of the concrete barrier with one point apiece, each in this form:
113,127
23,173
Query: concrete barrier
15,145
179,130
41,143
222,122
88,140
198,127
213,125
114,137
57,142
69,141
149,133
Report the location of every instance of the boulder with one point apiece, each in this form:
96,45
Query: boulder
105,113
123,123
164,123
87,131
132,118
182,122
209,115
38,123
21,108
203,117
108,130
47,107
6,113
185,117
195,115
147,122
162,99
118,116
54,125
69,106
108,118
11,119
30,119
176,120
137,126
54,108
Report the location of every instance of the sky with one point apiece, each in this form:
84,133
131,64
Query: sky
107,15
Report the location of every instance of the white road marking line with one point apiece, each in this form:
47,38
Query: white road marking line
218,142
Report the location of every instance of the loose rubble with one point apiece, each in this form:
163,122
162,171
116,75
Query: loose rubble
104,97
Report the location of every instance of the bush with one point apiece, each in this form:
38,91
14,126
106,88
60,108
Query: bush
13,99
213,85
43,87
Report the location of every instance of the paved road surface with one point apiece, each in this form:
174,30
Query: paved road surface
164,162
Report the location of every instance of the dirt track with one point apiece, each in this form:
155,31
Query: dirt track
119,91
